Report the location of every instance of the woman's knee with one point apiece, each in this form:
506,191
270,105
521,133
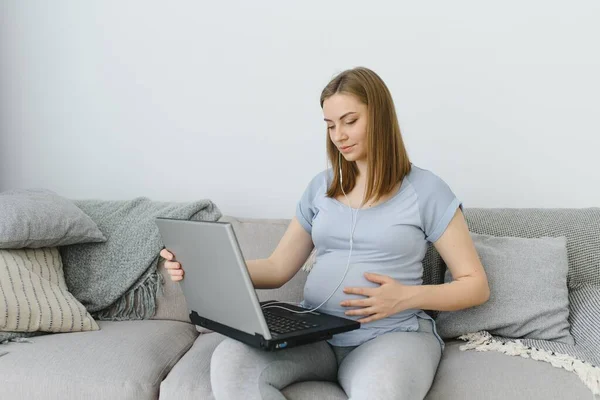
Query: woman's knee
399,365
230,354
234,371
239,371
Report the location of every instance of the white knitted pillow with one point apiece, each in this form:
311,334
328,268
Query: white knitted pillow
34,296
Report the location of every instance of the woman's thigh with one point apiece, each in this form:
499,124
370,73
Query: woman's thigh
396,365
239,371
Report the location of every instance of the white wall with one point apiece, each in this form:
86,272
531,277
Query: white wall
187,100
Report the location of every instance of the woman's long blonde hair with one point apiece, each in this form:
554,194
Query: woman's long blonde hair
387,160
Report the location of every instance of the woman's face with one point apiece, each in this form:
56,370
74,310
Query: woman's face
346,119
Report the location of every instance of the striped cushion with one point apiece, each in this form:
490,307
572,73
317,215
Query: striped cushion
34,295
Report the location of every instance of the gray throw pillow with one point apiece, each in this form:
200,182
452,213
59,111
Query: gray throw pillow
37,218
529,296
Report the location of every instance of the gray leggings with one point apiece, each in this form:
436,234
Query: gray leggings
396,365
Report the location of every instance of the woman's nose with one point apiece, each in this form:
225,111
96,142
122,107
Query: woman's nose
339,135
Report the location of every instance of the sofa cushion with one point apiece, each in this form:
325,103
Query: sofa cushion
37,218
471,375
528,284
123,360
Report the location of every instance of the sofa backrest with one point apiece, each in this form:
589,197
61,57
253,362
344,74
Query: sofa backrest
259,237
581,227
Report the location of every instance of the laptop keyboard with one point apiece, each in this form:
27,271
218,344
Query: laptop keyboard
280,324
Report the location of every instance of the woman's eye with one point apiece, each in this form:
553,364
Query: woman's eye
330,127
351,122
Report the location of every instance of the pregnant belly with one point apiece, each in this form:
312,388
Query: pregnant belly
325,277
323,280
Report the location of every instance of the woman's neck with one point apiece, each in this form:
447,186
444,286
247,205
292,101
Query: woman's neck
362,168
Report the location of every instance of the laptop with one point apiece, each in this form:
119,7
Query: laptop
220,295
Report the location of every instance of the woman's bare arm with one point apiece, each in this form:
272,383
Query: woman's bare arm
285,261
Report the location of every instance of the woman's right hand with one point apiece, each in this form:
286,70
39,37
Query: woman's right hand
173,267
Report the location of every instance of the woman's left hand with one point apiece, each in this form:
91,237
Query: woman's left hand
389,298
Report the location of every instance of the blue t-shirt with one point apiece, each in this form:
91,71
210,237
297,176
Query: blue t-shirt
389,238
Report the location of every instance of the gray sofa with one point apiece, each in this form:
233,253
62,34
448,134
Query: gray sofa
168,358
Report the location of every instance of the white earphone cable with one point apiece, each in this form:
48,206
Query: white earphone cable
352,228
